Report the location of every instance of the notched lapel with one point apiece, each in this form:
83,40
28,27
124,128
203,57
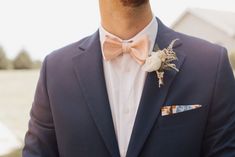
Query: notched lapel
88,67
153,97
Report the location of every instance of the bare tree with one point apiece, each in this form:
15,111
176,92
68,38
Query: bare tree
23,61
3,59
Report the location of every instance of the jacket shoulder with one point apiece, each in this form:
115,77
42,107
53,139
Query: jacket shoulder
68,51
199,47
203,58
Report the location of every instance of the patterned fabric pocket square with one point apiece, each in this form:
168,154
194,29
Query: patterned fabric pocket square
173,109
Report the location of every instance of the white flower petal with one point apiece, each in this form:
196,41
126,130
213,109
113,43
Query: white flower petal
152,63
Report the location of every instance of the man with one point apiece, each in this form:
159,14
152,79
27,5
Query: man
94,99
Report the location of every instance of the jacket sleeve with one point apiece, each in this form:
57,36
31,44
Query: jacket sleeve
40,139
219,140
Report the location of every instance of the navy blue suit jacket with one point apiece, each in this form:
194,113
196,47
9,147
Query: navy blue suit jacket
71,117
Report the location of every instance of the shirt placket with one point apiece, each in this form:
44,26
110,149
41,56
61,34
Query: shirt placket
126,114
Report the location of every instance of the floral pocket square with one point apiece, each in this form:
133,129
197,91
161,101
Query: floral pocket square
173,109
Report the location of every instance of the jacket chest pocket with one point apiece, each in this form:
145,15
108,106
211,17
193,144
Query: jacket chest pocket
186,118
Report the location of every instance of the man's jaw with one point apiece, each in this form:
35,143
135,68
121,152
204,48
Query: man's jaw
133,3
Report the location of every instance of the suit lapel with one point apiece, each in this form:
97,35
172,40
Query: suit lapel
89,70
153,97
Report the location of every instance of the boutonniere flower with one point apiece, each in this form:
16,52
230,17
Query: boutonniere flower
160,61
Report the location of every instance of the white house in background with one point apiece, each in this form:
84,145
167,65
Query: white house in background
214,26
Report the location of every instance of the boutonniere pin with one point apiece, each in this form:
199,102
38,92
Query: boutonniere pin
160,61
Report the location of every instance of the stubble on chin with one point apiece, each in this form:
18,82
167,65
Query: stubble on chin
133,3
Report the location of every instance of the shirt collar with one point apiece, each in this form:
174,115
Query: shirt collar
150,30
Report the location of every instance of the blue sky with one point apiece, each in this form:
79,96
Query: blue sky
41,26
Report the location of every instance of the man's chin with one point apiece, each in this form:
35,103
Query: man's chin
133,3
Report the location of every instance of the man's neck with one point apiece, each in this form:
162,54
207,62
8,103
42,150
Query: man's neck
124,22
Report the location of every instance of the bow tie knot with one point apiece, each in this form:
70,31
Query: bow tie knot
113,47
126,48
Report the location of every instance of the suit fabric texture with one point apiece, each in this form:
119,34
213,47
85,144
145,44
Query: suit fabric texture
71,117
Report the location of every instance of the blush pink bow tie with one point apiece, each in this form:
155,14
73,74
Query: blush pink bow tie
113,47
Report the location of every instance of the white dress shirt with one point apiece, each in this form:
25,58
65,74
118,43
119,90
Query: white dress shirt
125,81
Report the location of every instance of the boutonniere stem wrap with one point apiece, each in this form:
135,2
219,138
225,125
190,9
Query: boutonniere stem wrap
160,61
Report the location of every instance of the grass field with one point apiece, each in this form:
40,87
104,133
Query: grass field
16,96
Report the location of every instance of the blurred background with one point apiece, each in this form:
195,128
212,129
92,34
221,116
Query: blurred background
31,29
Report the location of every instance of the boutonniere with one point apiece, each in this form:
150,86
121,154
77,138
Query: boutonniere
160,61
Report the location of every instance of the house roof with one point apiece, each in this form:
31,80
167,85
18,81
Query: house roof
221,19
